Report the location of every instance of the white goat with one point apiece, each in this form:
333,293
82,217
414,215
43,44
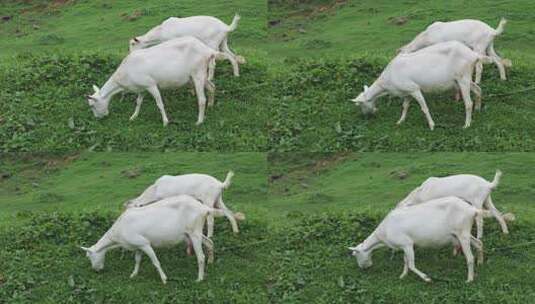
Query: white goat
164,223
471,188
205,188
436,68
436,223
475,34
210,30
170,64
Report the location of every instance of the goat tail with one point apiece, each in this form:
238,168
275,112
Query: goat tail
234,23
501,26
228,179
496,179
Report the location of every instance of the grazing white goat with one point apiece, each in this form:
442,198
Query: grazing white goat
205,188
164,223
210,30
475,34
436,223
436,68
471,188
170,64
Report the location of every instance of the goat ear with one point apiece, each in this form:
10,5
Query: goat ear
366,88
96,89
352,248
85,248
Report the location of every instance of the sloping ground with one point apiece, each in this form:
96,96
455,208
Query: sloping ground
375,182
43,108
102,26
313,112
341,28
315,266
291,247
41,261
296,106
306,262
104,181
65,47
302,108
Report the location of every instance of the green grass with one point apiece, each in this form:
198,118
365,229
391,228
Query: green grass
314,113
98,26
44,109
322,195
371,182
294,91
48,71
302,211
104,181
46,265
326,29
330,49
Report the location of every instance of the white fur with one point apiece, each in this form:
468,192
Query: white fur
164,223
471,188
475,34
436,68
436,223
210,30
170,64
205,188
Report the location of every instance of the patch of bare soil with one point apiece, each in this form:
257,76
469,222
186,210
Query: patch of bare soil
42,6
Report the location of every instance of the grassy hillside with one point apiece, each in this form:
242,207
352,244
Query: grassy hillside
100,26
291,248
51,204
315,113
347,27
303,67
44,109
375,182
304,187
284,104
104,181
55,51
331,49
